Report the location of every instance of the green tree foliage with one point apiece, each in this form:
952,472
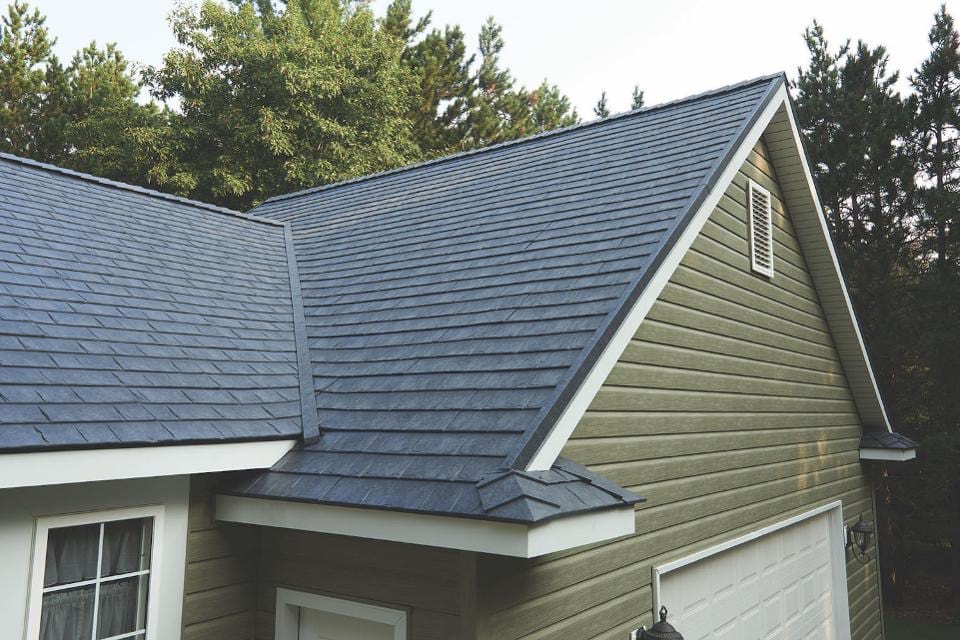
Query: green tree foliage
550,109
636,98
30,79
937,87
105,122
265,96
272,99
888,171
602,109
498,111
439,62
85,116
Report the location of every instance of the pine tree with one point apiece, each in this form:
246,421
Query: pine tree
636,100
85,116
601,110
550,109
27,123
858,131
937,87
439,62
499,111
936,84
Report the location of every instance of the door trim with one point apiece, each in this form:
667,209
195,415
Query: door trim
289,603
837,551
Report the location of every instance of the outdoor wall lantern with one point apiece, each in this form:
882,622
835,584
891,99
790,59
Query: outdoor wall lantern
662,630
858,540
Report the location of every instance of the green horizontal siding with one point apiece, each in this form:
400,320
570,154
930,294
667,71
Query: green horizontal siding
424,581
729,410
220,578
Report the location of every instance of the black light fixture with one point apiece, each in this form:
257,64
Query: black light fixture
662,630
858,540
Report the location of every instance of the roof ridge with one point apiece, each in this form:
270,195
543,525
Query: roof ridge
510,143
45,166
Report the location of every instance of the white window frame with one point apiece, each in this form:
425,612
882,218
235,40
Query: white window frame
752,188
290,602
838,559
43,526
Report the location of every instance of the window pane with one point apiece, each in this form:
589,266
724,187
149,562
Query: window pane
123,606
126,546
71,554
67,614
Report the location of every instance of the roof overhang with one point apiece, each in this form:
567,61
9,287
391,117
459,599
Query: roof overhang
38,468
776,124
468,534
888,455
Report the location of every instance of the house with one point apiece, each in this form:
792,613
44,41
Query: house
539,390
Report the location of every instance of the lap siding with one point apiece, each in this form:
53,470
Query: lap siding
220,578
729,411
424,581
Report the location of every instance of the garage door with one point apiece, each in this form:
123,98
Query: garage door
782,585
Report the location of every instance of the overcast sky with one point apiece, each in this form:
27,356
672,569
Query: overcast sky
671,49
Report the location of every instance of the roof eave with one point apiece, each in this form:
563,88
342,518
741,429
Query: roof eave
466,534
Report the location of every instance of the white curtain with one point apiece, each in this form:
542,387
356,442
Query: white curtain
122,546
67,615
118,607
72,557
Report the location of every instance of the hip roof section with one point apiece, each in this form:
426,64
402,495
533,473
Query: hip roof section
130,317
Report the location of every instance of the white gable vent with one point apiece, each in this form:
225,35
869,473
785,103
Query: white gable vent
761,229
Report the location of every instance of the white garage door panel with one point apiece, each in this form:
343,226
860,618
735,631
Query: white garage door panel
776,587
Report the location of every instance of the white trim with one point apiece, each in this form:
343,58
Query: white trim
500,538
838,559
42,529
289,603
561,431
754,189
888,455
40,468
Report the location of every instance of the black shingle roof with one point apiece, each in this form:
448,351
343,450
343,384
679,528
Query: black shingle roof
132,317
883,439
452,308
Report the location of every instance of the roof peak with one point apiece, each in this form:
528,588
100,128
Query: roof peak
510,143
44,166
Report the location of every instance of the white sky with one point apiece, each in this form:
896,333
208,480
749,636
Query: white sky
671,48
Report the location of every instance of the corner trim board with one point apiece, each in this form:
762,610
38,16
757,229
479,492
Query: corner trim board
40,468
468,534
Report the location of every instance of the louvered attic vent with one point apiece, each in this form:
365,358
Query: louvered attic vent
761,230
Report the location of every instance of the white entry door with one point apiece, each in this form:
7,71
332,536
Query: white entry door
310,616
324,625
788,583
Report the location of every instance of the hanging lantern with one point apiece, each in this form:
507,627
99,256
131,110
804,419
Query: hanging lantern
858,539
662,630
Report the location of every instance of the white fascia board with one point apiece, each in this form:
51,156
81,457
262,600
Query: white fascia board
821,218
550,449
888,455
468,534
38,468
